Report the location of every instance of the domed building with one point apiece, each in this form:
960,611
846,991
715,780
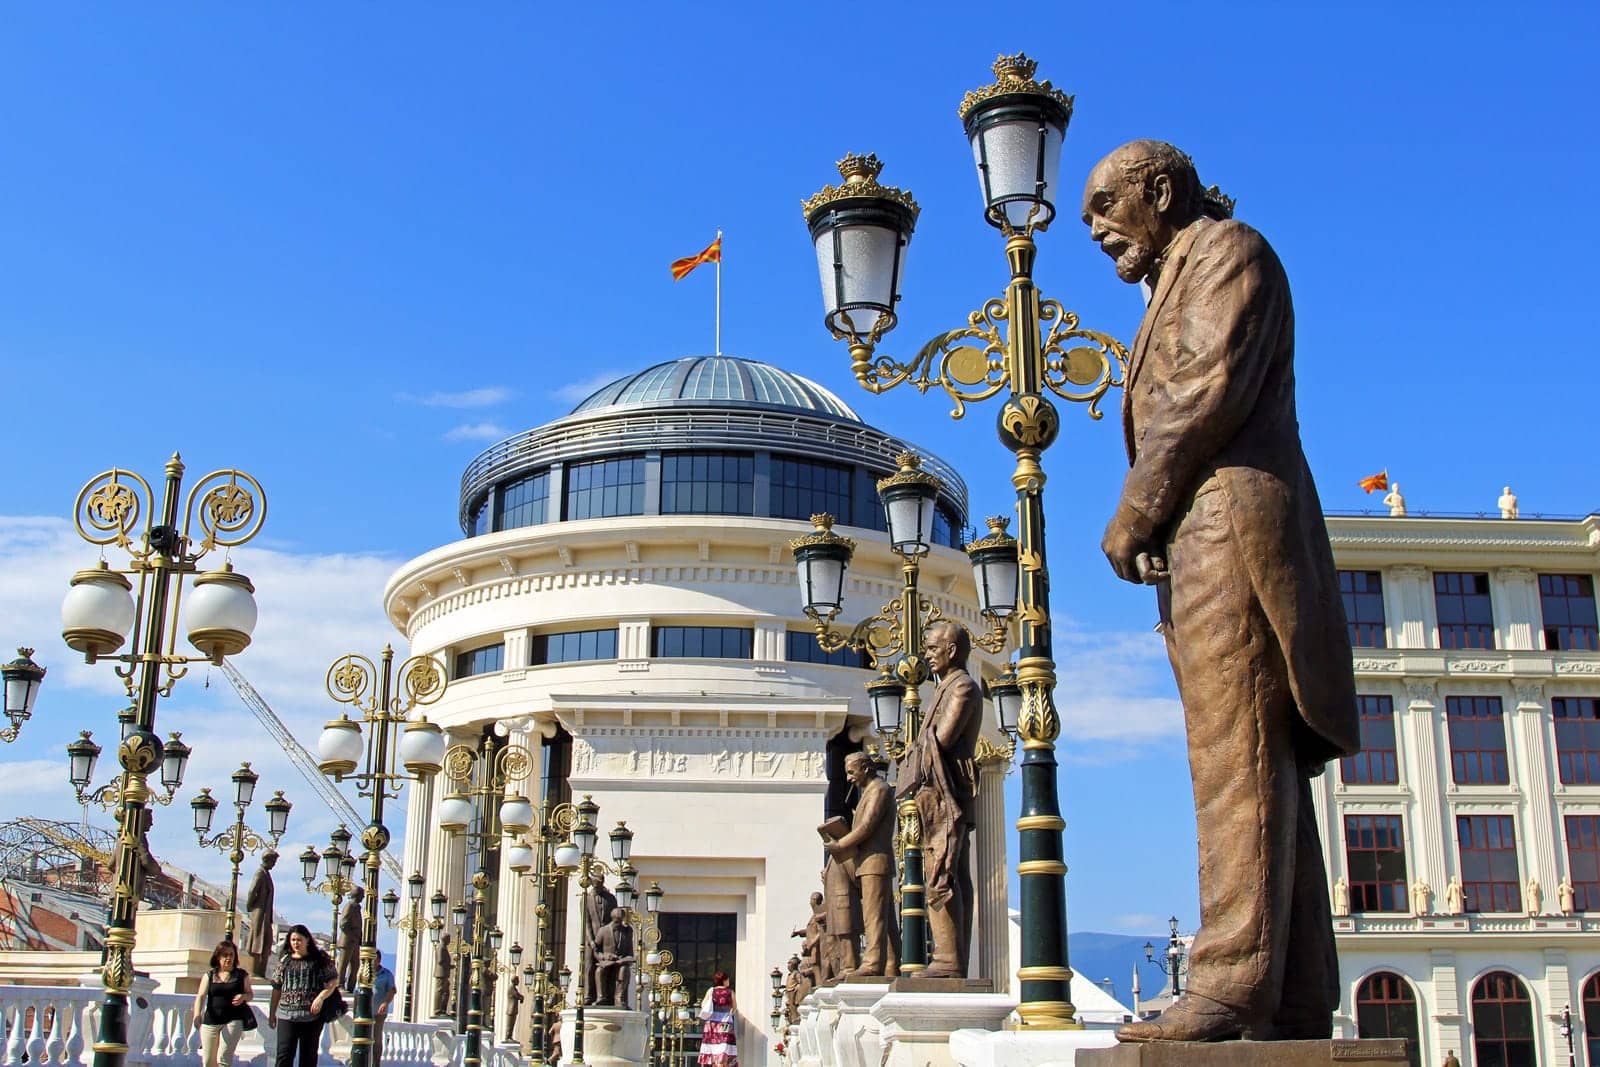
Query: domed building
624,605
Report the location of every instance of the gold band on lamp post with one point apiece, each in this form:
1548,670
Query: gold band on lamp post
1016,342
164,538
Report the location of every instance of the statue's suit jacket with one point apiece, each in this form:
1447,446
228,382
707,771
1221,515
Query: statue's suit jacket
871,836
1209,407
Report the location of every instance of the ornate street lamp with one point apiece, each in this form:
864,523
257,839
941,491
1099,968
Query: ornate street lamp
22,678
1017,342
165,539
1175,957
392,734
339,867
892,637
482,794
239,839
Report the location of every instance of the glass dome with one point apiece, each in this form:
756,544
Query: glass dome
716,380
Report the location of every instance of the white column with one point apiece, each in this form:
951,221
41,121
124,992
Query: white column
1518,614
1448,1010
1409,606
1535,775
1558,993
633,640
1420,728
516,656
991,955
771,641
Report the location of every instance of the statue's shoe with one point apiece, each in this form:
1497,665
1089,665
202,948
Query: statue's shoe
941,970
1191,1018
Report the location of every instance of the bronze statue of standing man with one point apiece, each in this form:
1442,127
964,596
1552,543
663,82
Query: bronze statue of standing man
1219,512
939,773
258,904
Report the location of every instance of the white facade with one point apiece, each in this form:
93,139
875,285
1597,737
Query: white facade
717,764
1411,926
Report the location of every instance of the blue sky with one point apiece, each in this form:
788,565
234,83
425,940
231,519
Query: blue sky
344,248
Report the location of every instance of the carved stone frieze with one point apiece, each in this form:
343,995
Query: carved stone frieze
1578,666
1477,666
700,754
1391,666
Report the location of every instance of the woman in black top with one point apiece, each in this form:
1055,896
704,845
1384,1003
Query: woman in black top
302,981
222,1006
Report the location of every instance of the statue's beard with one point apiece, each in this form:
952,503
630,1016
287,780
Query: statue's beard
1133,265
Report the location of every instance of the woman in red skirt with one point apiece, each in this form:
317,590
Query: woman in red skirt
719,1043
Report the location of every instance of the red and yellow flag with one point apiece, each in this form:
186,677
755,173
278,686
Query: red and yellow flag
1373,482
712,254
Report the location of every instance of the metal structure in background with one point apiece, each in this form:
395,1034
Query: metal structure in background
22,678
893,639
104,607
303,761
239,839
392,736
1016,342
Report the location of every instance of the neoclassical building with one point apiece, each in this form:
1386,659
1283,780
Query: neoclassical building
1464,841
624,604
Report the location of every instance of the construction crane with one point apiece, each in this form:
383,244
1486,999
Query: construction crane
303,761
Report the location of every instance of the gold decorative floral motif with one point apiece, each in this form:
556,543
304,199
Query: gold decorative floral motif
1014,74
515,763
458,762
110,506
231,508
860,174
424,681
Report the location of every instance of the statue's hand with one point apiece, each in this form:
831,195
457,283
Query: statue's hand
1127,537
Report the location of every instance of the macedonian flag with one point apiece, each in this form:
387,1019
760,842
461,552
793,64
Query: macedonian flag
712,254
1373,482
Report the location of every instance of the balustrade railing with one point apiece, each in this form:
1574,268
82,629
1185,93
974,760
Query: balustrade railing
57,1025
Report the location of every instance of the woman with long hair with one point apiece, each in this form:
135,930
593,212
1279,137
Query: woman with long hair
302,982
719,1042
222,1006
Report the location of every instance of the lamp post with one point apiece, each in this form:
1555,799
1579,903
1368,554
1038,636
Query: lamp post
534,856
892,638
83,753
777,1001
412,924
657,965
1176,955
22,679
354,680
1566,1032
340,867
1019,342
101,610
478,782
548,995
239,839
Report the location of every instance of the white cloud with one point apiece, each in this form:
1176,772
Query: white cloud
476,431
1137,923
1115,693
483,397
573,392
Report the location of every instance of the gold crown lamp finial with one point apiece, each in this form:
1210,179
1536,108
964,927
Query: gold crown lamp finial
1018,67
860,169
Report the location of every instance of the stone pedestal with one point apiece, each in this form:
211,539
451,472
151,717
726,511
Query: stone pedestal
612,1037
1026,1048
1385,1052
914,1028
846,1033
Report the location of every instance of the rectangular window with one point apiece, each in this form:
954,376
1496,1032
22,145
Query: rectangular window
602,488
1570,624
1477,740
702,642
1466,618
1375,856
801,489
485,660
523,502
480,519
708,483
1583,860
1489,873
573,646
1377,762
1362,593
1577,722
803,648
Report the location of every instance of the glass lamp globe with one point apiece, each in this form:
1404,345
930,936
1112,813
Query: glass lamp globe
1016,127
455,812
860,230
222,613
97,613
22,678
567,856
174,761
821,559
519,858
909,497
422,748
244,785
204,807
994,569
516,814
278,814
339,748
886,694
81,757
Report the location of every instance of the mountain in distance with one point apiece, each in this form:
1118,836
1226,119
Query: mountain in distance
1098,956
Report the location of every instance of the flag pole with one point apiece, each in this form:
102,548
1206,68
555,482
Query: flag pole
719,293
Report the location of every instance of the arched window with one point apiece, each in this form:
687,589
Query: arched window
1502,1022
1386,1007
1591,1017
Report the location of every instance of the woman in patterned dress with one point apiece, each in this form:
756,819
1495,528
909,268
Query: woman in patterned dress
719,1044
